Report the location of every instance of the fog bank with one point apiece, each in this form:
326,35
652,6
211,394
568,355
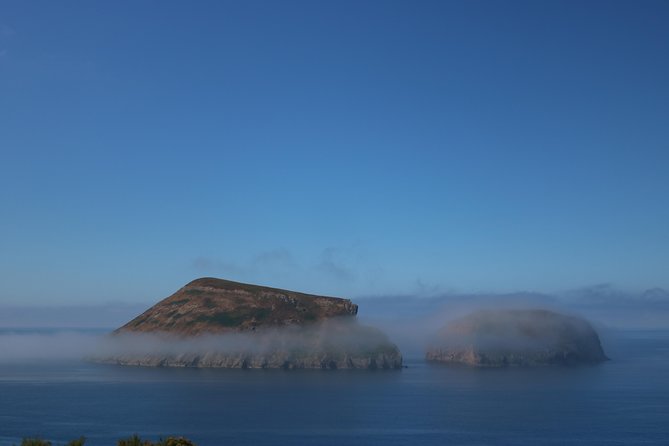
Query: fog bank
408,321
335,335
411,321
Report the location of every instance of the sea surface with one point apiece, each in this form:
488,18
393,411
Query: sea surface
622,402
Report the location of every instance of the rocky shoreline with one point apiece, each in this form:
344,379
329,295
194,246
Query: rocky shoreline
278,360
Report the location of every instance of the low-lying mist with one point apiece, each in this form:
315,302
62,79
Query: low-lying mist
412,322
24,345
409,322
502,329
337,334
334,335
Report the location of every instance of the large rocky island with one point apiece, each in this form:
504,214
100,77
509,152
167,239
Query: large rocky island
219,323
502,338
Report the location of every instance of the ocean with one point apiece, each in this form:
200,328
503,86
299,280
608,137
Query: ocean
624,401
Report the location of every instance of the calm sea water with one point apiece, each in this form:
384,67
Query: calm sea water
624,401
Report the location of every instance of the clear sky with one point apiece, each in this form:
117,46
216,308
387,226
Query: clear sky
344,148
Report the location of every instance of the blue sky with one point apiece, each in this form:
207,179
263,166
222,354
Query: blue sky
342,148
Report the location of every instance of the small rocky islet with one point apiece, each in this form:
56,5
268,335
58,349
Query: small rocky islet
219,323
513,337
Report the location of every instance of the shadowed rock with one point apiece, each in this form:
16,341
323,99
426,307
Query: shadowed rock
501,338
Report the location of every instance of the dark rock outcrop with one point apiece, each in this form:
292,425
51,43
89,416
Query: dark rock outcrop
501,338
219,323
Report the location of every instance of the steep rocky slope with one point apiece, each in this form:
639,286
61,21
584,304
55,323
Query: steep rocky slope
500,338
208,305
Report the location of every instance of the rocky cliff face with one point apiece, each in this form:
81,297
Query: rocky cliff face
500,338
219,323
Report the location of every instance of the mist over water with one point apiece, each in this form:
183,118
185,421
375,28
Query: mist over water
409,322
46,390
623,401
47,345
338,334
334,335
412,322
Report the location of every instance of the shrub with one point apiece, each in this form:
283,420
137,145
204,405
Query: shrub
171,441
134,441
35,442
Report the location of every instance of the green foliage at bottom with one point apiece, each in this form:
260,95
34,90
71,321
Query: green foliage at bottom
135,440
35,442
171,441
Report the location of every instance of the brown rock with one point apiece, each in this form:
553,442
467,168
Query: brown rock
209,305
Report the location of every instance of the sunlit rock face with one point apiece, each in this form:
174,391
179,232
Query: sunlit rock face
208,305
502,338
219,323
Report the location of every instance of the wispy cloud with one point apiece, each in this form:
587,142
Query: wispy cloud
275,260
426,289
332,264
209,265
334,269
